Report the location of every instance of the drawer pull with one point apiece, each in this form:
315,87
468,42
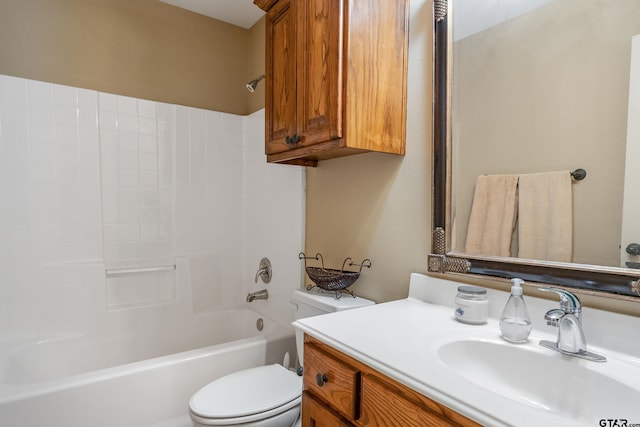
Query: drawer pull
321,379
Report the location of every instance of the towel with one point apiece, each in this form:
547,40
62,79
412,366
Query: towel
545,216
493,215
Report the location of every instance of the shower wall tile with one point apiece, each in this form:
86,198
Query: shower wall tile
197,157
107,102
40,95
130,166
138,170
182,149
147,109
42,177
65,95
88,178
274,205
206,213
13,103
50,205
127,105
87,111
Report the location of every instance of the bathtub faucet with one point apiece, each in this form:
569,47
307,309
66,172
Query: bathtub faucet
264,271
263,294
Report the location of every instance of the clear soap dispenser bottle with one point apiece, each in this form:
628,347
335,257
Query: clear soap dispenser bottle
515,323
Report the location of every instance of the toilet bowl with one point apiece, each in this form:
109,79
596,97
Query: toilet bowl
265,396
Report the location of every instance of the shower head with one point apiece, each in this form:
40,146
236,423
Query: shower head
251,86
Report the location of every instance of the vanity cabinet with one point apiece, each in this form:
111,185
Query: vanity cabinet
336,76
340,391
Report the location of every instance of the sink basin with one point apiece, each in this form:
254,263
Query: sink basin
545,380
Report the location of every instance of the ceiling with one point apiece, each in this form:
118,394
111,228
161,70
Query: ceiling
242,13
471,15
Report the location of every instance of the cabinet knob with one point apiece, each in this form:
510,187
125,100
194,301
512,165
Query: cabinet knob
292,139
321,379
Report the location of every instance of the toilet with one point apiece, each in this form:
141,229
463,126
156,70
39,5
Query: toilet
265,396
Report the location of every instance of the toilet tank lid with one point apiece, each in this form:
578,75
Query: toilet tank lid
326,300
247,392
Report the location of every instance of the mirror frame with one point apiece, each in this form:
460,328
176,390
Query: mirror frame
610,282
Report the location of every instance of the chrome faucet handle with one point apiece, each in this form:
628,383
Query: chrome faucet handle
569,302
264,271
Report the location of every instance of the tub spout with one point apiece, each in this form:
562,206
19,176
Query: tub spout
263,294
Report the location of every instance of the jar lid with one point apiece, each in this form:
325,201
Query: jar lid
474,290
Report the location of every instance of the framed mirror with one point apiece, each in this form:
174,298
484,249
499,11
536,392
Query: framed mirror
527,90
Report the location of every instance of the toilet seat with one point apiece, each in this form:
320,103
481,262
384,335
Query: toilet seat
248,395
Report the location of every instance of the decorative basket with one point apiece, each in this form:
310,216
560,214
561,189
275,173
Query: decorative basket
331,279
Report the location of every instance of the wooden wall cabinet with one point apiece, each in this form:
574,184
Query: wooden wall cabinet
340,391
336,78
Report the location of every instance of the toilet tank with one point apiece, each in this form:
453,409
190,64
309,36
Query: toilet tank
315,302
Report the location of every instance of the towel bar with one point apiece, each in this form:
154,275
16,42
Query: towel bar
134,270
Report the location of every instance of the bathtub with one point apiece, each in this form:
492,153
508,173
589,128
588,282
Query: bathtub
141,379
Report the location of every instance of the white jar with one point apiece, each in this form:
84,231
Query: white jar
472,305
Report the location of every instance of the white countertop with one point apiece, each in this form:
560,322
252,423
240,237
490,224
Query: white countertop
394,337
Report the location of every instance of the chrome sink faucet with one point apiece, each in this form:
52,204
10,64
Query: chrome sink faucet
568,320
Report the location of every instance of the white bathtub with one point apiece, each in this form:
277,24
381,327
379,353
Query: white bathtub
142,379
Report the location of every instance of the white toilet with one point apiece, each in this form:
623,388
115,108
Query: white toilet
265,396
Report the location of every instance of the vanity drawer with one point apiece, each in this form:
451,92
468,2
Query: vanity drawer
332,380
316,413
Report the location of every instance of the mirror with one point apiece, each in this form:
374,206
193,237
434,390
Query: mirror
536,86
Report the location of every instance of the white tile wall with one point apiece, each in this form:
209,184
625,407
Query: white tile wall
90,181
274,209
50,221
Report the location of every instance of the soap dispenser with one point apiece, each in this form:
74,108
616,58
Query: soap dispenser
515,323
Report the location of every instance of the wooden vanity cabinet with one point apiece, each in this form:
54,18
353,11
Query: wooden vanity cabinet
336,76
340,391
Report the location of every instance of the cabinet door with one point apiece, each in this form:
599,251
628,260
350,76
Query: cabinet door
281,59
320,70
387,403
317,414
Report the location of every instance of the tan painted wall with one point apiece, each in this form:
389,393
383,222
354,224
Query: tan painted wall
566,109
141,48
256,53
378,206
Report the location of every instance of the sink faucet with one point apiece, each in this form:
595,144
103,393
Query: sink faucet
568,320
263,294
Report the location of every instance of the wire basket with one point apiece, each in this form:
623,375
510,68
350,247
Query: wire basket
331,279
